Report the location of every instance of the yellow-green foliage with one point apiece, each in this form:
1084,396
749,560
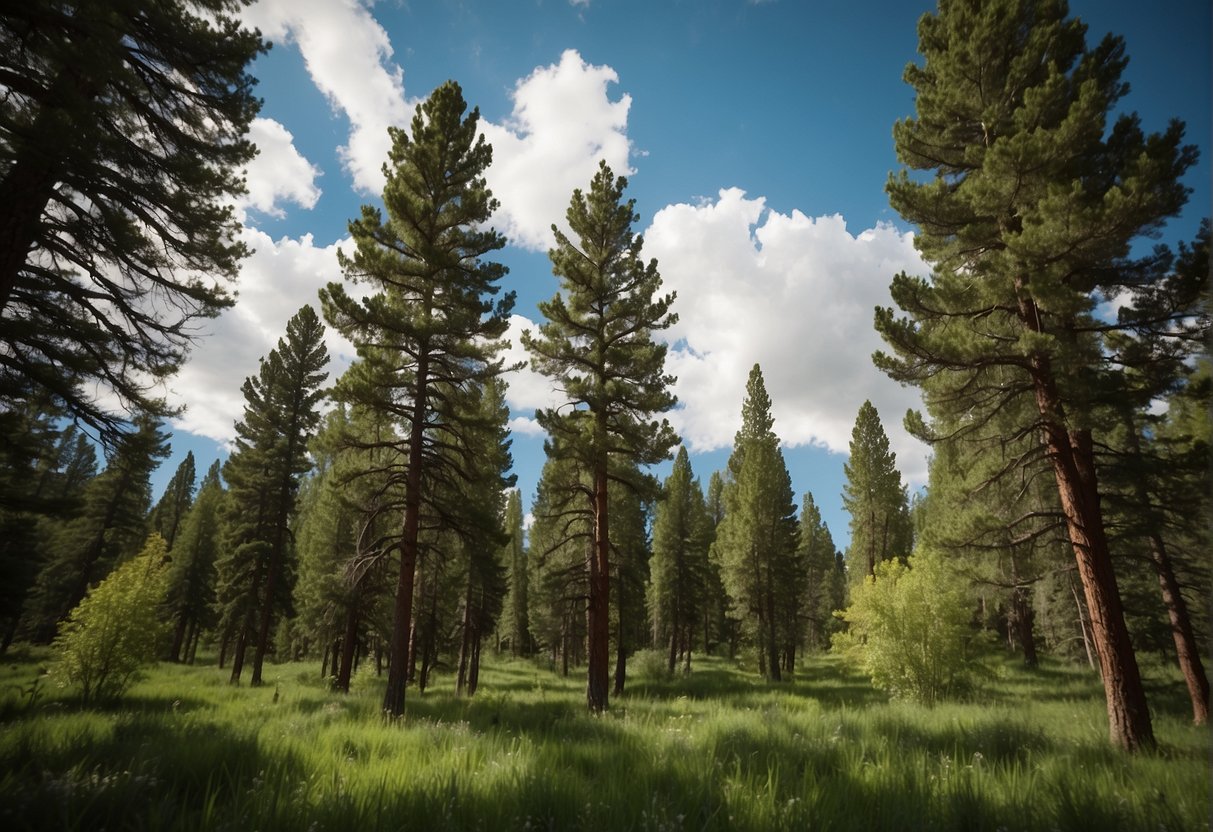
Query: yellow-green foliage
910,629
116,629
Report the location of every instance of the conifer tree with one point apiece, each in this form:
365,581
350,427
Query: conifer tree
598,343
263,474
429,328
875,497
515,625
719,625
122,141
175,502
756,540
630,552
190,594
1030,204
678,569
110,528
818,557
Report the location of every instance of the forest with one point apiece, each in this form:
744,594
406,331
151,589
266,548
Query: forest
357,619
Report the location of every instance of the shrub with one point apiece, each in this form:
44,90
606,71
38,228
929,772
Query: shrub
910,629
116,629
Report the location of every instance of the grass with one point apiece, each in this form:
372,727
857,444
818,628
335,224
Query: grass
718,750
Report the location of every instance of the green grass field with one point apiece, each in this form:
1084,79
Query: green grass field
718,750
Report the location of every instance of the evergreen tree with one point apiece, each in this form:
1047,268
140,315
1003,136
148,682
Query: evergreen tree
121,147
38,493
263,472
190,593
515,625
719,625
429,329
875,497
818,557
678,570
598,341
756,540
110,528
560,542
166,517
1028,223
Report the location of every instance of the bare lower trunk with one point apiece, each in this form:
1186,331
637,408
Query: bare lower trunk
402,611
598,633
178,639
349,645
1186,650
1022,615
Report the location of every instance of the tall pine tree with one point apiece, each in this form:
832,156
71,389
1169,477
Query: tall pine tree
263,473
756,541
430,328
875,497
598,343
1027,212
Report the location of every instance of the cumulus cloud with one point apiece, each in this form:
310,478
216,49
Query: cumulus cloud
276,280
563,122
794,294
349,57
279,173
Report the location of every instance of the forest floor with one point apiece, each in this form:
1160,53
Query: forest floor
719,750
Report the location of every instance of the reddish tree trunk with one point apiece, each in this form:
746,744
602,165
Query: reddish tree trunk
402,612
598,623
1072,457
349,644
1181,631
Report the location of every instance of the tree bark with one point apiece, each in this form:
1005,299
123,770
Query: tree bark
349,645
1023,615
178,638
598,623
1072,457
402,612
1186,650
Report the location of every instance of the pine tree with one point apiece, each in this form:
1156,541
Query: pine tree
1028,223
122,142
598,341
190,593
110,528
678,569
166,517
818,557
756,541
631,552
430,328
263,474
718,623
515,625
875,497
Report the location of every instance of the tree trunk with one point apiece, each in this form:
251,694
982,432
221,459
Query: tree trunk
1023,615
1186,650
178,639
465,643
1072,457
402,612
238,657
598,633
349,645
474,671
621,656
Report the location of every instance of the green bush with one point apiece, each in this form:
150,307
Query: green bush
116,629
910,629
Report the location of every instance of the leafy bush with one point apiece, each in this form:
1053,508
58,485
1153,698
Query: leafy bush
650,664
910,629
116,629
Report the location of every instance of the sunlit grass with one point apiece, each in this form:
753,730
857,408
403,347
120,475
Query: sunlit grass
717,750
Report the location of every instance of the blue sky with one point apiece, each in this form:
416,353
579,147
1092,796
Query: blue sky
757,139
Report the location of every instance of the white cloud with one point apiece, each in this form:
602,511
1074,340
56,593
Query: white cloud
789,292
349,58
276,280
563,122
279,172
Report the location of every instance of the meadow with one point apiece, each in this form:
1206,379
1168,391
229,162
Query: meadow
716,750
